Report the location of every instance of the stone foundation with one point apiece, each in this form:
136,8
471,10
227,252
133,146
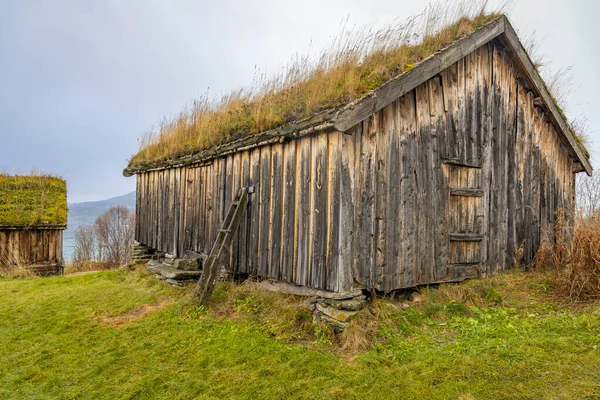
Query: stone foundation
333,308
337,313
175,271
141,252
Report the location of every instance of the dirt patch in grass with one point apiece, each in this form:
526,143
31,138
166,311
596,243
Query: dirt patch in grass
118,321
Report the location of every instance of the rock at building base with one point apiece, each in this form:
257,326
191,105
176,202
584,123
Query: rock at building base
355,304
168,261
172,273
142,252
415,297
337,326
337,313
187,264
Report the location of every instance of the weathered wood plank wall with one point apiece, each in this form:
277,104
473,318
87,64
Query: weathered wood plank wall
478,115
291,231
33,246
446,182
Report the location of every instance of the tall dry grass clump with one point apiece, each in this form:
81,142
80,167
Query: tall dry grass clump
11,267
575,257
357,61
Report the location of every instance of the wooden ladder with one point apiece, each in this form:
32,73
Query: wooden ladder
220,250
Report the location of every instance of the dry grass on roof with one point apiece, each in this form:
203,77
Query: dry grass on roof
357,62
32,200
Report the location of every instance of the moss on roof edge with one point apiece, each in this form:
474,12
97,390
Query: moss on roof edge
29,201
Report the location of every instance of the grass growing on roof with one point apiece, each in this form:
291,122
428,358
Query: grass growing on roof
30,200
127,335
356,63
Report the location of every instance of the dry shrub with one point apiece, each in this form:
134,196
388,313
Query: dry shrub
11,267
458,293
575,262
357,61
361,333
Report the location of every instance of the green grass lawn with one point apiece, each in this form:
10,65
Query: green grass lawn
87,336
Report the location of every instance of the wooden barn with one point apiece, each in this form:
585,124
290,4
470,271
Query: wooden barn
33,215
445,172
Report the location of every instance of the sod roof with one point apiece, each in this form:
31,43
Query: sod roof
355,77
32,201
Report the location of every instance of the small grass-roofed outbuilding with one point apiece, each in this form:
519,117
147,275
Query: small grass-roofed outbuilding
408,165
33,215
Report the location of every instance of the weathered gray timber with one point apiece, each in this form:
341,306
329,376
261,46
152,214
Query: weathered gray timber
444,173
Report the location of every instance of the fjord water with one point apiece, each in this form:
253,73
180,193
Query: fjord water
86,214
77,216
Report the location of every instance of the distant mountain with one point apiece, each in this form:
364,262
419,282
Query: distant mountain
127,200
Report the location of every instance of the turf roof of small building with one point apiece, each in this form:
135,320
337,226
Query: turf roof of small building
29,201
353,69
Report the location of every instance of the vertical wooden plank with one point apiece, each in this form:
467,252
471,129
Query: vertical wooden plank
289,211
202,215
208,207
265,211
424,184
255,201
319,210
276,210
503,174
381,189
236,183
188,216
244,224
366,204
162,191
490,83
409,190
176,209
148,196
393,199
439,190
228,194
347,191
303,196
334,151
182,241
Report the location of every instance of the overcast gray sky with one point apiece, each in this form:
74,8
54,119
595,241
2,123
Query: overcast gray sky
81,81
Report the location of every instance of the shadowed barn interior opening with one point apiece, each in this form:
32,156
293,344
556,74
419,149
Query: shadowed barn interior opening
446,171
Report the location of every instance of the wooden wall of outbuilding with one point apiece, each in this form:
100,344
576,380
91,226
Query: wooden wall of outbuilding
477,115
30,246
291,230
374,205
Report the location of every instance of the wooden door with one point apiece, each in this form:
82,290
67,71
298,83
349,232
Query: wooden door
465,212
